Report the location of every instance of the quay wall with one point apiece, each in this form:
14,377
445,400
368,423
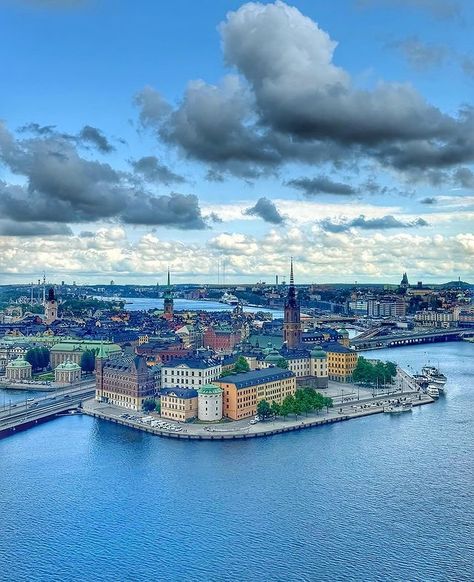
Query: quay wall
294,426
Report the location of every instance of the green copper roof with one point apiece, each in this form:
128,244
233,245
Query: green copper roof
19,363
318,354
68,365
273,356
209,389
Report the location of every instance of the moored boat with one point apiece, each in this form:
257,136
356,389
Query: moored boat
432,390
397,408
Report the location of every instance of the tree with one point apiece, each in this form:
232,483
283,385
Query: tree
241,365
149,404
276,408
264,410
88,361
31,356
282,363
328,403
44,357
286,407
297,407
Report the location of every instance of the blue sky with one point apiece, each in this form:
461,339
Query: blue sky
189,133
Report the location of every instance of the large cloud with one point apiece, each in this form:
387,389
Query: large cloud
61,186
291,102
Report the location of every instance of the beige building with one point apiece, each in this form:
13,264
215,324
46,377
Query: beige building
180,404
242,392
72,350
67,373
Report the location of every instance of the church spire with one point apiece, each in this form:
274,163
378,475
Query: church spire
169,283
292,280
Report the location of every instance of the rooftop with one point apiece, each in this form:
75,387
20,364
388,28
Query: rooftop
179,392
255,377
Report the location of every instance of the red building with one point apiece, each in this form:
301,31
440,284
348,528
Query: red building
221,340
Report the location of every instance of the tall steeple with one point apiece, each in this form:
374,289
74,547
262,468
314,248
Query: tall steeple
168,299
50,308
292,319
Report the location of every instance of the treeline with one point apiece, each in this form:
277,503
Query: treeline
38,358
81,306
304,401
372,373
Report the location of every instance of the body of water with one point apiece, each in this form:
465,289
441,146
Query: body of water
146,303
383,498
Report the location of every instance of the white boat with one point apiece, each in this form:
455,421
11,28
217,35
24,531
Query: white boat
398,408
432,390
229,299
434,376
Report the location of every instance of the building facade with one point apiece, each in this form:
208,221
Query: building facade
210,403
67,372
242,392
190,372
18,370
123,380
179,404
71,349
341,362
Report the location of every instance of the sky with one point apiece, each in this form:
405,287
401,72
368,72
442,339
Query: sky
219,135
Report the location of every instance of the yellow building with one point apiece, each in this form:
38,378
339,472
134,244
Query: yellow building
242,392
341,362
179,404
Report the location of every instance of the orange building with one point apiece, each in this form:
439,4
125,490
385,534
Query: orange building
242,392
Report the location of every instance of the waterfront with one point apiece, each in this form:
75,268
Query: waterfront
378,498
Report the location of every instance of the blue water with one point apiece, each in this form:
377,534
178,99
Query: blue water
146,303
382,498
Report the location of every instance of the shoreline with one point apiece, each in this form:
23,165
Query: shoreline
262,429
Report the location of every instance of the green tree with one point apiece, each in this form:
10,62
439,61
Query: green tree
44,357
327,402
296,407
282,363
276,408
88,361
32,357
149,404
241,365
264,410
286,407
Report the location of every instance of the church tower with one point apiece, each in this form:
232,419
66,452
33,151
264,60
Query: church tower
168,302
292,321
50,308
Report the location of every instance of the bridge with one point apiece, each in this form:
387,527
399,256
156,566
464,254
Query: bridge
409,339
23,415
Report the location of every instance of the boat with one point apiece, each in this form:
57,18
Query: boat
229,299
434,376
432,390
399,407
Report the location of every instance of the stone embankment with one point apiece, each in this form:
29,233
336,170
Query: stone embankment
244,430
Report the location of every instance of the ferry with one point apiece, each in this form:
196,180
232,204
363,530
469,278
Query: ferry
434,376
229,299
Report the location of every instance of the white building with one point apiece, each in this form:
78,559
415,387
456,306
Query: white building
18,370
210,403
190,373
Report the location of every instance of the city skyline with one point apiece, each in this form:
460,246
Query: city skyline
242,133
